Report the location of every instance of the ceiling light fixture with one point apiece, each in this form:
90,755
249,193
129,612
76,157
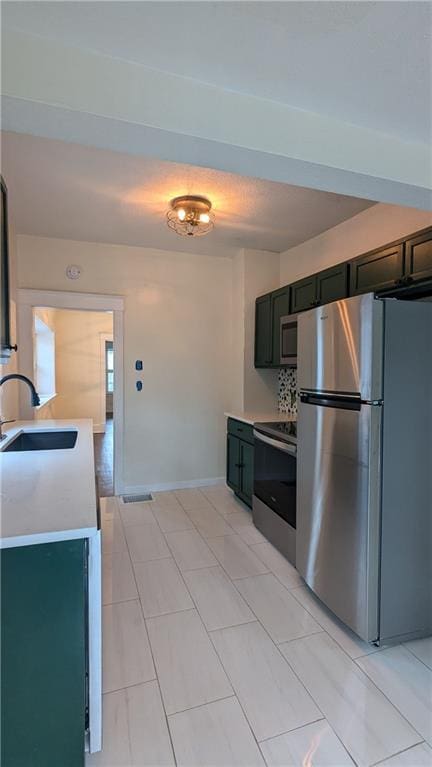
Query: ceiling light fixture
190,216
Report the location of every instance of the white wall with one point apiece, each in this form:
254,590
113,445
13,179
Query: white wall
179,320
367,230
48,316
80,386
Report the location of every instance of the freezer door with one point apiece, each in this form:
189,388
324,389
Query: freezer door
340,347
338,478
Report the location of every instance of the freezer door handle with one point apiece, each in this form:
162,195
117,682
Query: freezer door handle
342,401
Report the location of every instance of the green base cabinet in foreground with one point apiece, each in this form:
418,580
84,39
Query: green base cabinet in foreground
43,654
240,459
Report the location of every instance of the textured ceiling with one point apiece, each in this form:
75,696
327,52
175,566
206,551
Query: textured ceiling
367,63
70,191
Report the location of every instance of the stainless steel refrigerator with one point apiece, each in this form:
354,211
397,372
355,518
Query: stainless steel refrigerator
364,468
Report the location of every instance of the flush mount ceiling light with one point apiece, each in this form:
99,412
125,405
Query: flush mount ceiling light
190,216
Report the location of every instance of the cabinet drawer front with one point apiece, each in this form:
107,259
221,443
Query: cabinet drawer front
418,260
377,271
241,430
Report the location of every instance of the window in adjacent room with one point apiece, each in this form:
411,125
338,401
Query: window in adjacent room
109,366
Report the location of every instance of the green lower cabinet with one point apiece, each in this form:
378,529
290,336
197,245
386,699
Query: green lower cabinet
43,655
240,458
233,462
246,478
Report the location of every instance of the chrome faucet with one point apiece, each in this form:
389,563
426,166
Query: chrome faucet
35,401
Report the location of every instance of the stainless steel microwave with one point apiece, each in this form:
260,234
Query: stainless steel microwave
288,340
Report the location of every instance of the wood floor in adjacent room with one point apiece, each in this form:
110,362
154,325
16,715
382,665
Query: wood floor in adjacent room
215,654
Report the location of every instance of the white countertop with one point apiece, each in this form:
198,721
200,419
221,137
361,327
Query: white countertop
47,495
251,417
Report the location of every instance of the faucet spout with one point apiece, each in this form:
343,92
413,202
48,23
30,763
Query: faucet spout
35,400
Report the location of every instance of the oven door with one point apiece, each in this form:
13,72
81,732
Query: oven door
275,473
288,340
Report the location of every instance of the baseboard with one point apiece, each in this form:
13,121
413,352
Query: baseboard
157,487
98,428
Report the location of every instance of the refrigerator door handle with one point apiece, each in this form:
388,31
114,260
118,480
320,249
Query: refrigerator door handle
330,393
344,402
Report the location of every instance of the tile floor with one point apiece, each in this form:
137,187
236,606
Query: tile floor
216,655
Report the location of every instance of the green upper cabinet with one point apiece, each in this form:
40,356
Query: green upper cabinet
418,256
390,270
332,284
303,294
280,307
322,288
378,270
263,328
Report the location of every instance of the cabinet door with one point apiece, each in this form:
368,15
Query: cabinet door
280,306
233,463
246,460
263,352
332,284
418,256
376,271
43,647
303,294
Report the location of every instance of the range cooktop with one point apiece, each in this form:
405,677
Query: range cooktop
285,430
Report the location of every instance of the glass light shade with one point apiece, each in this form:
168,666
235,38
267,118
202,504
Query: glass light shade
190,216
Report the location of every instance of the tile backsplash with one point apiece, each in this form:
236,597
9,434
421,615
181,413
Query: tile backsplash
287,391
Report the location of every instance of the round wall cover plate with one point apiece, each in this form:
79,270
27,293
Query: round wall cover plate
73,272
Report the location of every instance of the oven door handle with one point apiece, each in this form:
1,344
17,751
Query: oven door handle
284,446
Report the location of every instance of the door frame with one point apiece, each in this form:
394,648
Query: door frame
103,337
27,300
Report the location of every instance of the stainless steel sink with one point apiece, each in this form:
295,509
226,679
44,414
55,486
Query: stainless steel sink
42,440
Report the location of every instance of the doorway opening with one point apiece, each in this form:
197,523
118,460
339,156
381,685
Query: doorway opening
73,361
28,299
103,441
